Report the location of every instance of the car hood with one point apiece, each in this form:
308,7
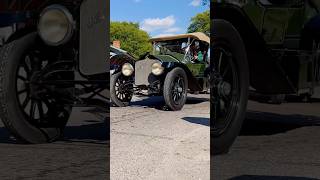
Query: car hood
165,58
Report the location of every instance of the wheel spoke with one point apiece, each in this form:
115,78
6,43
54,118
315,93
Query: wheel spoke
22,78
225,72
25,102
40,108
220,61
25,90
27,64
32,110
225,100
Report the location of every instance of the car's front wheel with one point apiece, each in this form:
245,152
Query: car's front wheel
28,108
121,89
175,89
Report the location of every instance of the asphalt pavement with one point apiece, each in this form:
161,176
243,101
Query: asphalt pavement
81,154
148,142
276,142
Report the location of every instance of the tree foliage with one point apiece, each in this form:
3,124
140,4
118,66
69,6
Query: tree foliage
200,23
206,2
132,39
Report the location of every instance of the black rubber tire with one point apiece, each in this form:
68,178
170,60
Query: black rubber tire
167,89
10,112
114,99
225,32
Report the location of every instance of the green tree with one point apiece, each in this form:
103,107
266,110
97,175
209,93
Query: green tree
132,39
205,2
200,23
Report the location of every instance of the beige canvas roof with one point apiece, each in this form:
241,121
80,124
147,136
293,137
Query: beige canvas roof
197,35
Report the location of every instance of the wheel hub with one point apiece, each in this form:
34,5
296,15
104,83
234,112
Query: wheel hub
178,88
224,89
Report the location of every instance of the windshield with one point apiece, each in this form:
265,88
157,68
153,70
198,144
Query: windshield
173,48
182,49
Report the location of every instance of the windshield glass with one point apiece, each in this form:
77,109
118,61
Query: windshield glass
174,48
182,49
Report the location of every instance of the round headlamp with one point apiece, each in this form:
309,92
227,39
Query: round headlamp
56,25
157,68
127,69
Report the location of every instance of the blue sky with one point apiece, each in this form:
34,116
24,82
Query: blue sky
157,17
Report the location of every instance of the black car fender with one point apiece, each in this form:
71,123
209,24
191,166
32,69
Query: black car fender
193,84
118,60
21,33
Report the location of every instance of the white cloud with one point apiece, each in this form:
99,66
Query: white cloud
153,24
195,3
172,30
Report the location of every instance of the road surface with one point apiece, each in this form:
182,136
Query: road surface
82,154
276,142
148,142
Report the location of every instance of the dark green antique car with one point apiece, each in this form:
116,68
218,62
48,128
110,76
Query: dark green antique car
177,64
269,48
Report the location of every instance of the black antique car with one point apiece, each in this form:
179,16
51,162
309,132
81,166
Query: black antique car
260,48
178,64
53,58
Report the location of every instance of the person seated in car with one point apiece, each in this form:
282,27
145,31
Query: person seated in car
196,53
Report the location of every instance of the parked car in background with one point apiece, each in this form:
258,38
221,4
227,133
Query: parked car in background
177,64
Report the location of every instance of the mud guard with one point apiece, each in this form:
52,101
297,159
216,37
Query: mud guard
192,81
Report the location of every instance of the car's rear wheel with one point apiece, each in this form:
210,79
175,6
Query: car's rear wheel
175,89
28,109
121,89
229,94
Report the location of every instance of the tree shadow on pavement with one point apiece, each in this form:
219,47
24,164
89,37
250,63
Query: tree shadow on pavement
5,136
198,120
265,123
251,177
157,102
87,133
95,131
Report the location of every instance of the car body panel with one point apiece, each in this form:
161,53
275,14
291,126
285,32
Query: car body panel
279,61
167,58
94,34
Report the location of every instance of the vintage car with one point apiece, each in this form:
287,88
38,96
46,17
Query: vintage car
52,59
177,64
266,47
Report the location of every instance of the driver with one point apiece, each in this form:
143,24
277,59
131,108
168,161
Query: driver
196,52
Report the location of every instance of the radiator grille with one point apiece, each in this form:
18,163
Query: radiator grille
143,72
